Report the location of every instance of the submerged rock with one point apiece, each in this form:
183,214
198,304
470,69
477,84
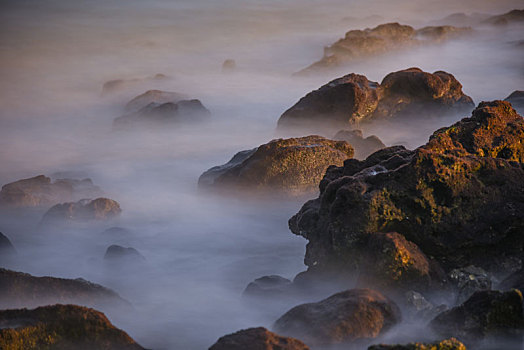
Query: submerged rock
485,314
23,290
459,198
448,344
40,191
516,98
353,99
229,66
257,339
83,211
153,96
268,286
363,146
344,317
161,114
388,37
292,166
116,253
60,327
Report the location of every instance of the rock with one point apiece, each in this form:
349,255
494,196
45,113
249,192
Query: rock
162,114
516,98
513,16
118,85
418,308
485,314
459,198
388,260
40,191
6,247
60,327
363,146
343,317
119,253
469,280
352,99
341,102
291,166
83,210
23,290
229,66
268,286
257,339
448,344
389,37
153,96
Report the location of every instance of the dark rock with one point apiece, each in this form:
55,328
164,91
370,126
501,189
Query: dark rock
119,253
6,247
485,314
469,280
292,166
516,98
344,317
268,286
257,339
40,191
118,85
84,210
60,327
389,37
363,146
23,290
513,16
352,99
153,96
448,344
162,114
459,198
418,308
229,66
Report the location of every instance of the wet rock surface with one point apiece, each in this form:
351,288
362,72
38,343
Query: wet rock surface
485,314
344,317
448,344
384,38
353,99
41,191
61,327
24,290
257,339
83,211
292,166
459,198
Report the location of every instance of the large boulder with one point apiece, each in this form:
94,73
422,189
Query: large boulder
257,339
24,290
516,98
291,166
83,211
363,146
485,314
388,37
459,198
353,99
448,344
343,317
162,114
153,96
40,191
60,327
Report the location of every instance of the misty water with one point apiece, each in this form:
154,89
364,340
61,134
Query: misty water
201,249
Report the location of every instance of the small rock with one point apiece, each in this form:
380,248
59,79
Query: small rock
257,339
